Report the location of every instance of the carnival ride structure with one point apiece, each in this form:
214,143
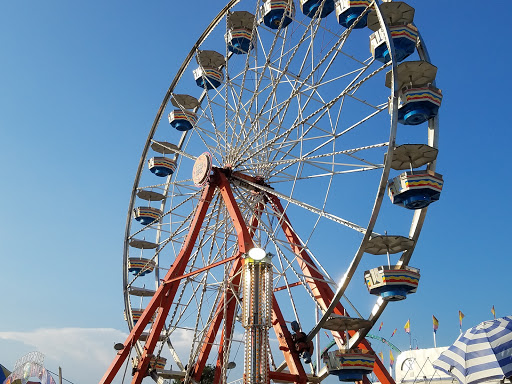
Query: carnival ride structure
29,369
284,134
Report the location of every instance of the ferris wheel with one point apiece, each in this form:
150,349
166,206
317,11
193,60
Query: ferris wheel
272,154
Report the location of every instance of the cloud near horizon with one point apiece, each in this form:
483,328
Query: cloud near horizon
83,353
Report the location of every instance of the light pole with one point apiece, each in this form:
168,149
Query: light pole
257,314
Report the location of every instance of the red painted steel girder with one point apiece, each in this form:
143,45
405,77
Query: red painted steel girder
161,300
321,290
286,344
245,237
230,310
245,243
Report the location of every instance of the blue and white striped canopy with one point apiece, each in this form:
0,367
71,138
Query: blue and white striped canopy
481,353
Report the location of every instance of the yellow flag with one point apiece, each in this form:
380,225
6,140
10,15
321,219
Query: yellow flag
436,323
407,326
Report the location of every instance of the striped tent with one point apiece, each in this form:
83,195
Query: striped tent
480,354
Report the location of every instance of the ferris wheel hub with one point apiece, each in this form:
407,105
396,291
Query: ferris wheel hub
202,169
245,181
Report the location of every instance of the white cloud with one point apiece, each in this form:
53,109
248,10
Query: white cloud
83,353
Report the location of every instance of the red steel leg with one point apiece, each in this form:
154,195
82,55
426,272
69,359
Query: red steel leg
231,307
321,290
161,301
297,373
244,244
215,324
286,345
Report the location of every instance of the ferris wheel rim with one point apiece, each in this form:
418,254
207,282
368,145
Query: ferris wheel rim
417,221
419,215
149,140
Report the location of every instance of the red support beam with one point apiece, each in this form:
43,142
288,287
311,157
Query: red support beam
230,310
198,271
164,296
244,237
229,321
321,290
245,240
288,286
284,376
216,321
286,344
161,300
316,281
244,244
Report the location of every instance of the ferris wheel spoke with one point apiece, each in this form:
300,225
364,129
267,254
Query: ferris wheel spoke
338,46
184,287
300,246
253,99
204,238
351,155
359,73
174,150
286,139
173,352
375,107
233,123
315,160
321,111
288,289
269,97
153,186
211,133
274,106
283,179
306,206
180,313
252,116
336,136
212,145
239,107
185,312
279,174
215,316
289,265
349,152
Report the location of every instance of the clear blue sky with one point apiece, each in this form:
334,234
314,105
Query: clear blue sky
80,83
